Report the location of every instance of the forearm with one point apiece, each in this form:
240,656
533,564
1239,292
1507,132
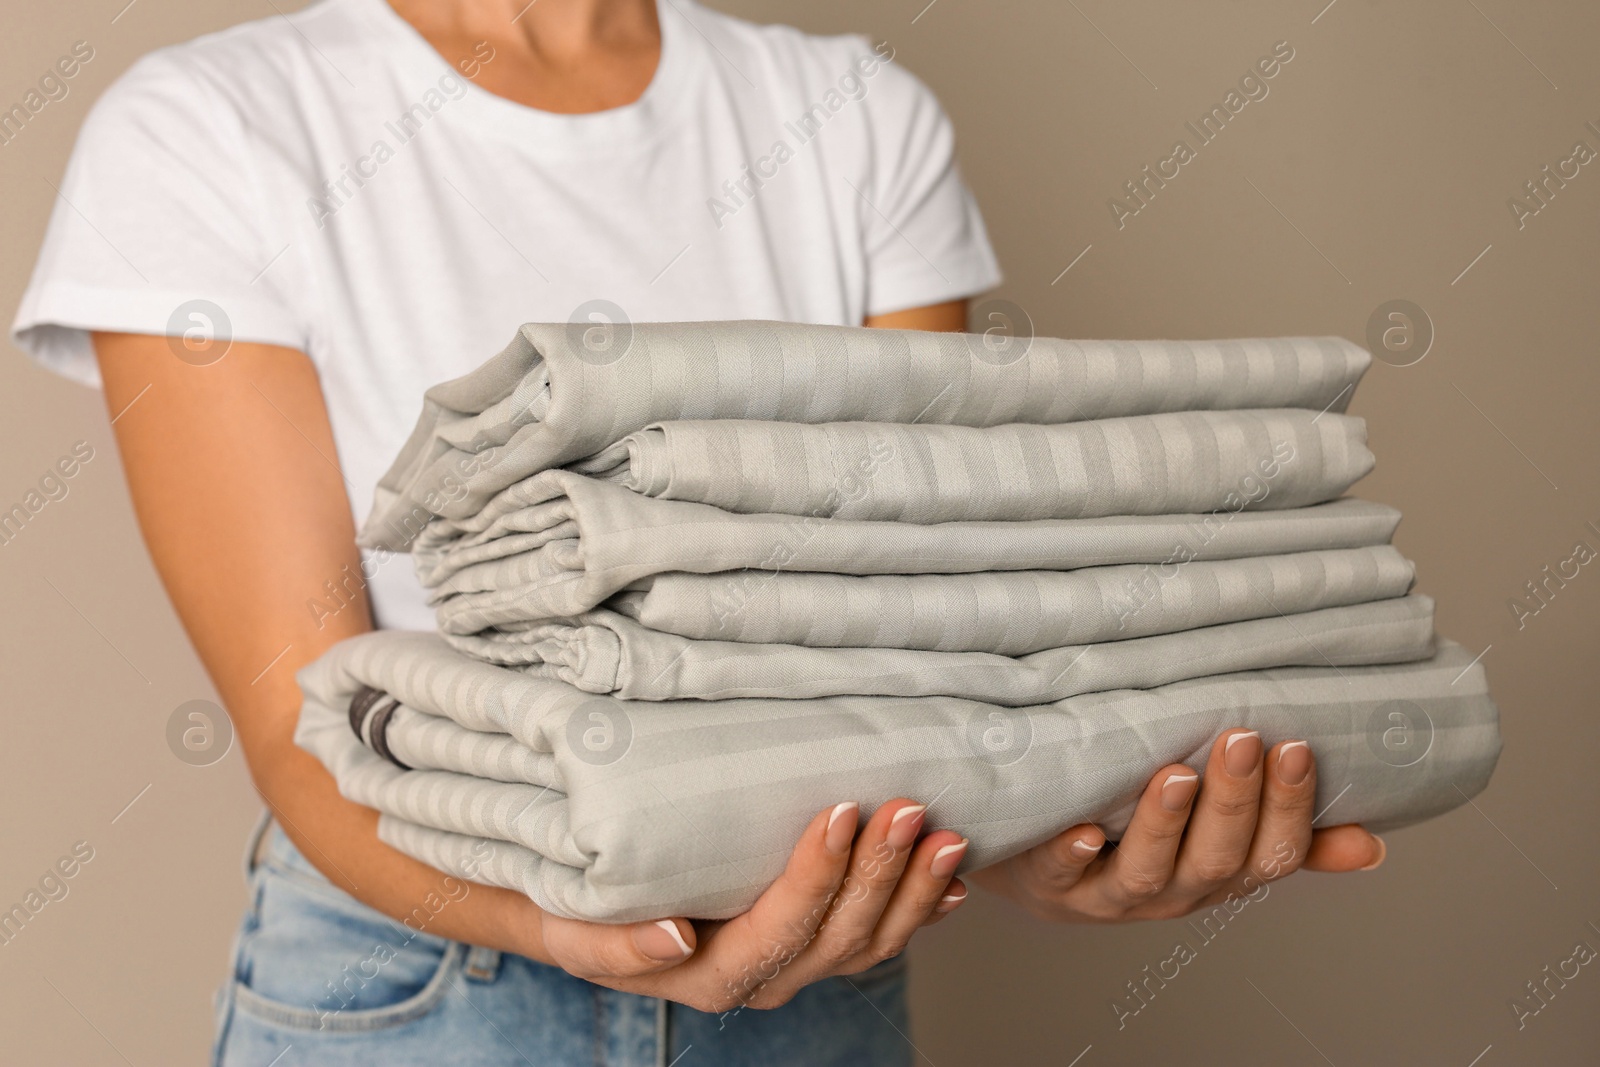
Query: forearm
235,480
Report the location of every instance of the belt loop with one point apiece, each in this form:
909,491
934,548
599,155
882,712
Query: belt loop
253,850
483,964
663,1038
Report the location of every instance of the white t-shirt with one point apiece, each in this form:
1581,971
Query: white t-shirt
329,182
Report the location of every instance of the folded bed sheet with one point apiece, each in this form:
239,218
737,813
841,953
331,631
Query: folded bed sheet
1143,465
607,653
614,810
563,546
1008,613
546,401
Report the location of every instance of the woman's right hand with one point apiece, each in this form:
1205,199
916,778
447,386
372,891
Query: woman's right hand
844,903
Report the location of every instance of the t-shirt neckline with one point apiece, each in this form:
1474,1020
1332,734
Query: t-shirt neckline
629,125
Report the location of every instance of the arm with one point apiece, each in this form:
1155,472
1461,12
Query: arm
237,487
238,492
950,316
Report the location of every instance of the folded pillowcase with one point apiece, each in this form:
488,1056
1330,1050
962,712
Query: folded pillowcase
619,811
546,400
562,546
1009,613
1191,461
605,653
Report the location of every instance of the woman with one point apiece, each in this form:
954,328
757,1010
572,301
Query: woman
366,198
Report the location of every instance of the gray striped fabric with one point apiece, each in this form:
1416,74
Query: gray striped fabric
546,400
577,549
612,810
606,653
1145,465
695,588
1008,613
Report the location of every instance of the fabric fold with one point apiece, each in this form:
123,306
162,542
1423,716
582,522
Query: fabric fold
590,540
636,810
606,653
545,401
1009,613
1192,461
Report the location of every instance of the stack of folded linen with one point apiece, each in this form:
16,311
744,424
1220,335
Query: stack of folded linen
693,591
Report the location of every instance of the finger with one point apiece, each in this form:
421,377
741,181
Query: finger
794,908
597,951
955,894
1056,866
1345,848
1141,865
742,956
746,957
879,856
919,892
1223,823
1288,800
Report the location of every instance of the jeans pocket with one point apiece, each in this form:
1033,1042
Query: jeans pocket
311,958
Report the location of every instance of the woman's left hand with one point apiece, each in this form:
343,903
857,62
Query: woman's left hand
1190,844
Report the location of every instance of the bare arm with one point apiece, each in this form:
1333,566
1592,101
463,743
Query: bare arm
238,492
949,316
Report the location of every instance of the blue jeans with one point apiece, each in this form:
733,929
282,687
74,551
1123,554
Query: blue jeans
320,978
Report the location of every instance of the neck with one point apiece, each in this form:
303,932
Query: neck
552,29
568,56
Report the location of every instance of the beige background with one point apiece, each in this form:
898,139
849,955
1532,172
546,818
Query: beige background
1378,168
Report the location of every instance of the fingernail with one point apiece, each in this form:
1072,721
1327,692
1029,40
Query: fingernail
661,941
1178,790
1086,850
1294,762
949,901
904,826
841,828
1241,754
1383,850
947,859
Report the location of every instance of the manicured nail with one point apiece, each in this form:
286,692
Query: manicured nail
661,941
841,828
950,901
1086,850
1241,754
1178,790
1294,762
947,859
1383,850
904,826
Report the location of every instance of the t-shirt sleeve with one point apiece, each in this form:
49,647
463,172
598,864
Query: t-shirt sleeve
925,238
155,229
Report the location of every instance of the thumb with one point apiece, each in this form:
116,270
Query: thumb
1344,848
597,950
1060,862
